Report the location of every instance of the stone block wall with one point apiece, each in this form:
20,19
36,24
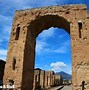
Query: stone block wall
36,83
58,80
45,79
25,28
42,79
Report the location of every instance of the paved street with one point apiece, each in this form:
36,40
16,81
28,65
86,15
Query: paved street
55,88
67,88
58,88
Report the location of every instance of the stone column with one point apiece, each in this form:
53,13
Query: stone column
42,78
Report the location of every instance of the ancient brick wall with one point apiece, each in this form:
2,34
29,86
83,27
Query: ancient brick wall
47,79
58,80
21,52
43,79
37,79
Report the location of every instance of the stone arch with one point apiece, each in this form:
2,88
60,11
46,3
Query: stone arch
31,22
47,21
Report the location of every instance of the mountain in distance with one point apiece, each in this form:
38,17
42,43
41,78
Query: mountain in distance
65,75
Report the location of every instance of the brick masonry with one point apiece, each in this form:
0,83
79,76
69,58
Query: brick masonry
27,25
45,79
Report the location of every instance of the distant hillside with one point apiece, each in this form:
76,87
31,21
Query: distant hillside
65,75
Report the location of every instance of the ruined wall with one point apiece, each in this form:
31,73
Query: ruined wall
58,80
47,79
37,79
2,66
52,78
43,79
21,52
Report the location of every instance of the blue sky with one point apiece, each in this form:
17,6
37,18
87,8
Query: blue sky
53,46
53,50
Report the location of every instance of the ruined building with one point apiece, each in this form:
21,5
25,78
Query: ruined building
45,79
2,66
58,80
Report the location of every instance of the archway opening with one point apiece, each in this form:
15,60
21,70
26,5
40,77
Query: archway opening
43,23
55,43
53,53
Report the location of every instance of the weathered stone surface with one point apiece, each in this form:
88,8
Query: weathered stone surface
37,79
58,80
43,79
28,24
49,79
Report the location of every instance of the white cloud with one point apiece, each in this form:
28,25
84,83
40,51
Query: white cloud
58,65
64,47
7,30
47,34
5,27
40,45
5,20
21,4
3,58
61,66
69,71
3,54
44,45
24,4
5,34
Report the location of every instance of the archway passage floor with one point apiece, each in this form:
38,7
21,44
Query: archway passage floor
67,88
